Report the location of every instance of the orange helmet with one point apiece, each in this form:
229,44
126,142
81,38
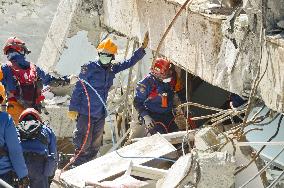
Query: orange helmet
15,44
107,46
161,68
30,113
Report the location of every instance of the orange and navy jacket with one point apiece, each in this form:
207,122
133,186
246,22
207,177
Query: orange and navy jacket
149,91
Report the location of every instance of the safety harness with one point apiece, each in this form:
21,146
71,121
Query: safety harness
29,88
154,89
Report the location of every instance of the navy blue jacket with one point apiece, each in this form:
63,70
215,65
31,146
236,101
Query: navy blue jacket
11,84
237,100
101,79
10,142
7,82
49,149
148,97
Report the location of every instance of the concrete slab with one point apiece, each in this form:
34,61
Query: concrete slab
209,164
112,164
200,43
57,34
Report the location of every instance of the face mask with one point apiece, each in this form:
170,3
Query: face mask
104,59
18,58
167,80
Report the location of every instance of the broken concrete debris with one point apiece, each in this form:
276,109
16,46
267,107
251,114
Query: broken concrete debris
199,170
111,165
206,138
194,168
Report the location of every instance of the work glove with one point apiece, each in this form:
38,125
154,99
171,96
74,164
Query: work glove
73,79
145,40
148,121
24,182
72,115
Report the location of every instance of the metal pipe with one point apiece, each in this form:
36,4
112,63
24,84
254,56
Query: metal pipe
4,184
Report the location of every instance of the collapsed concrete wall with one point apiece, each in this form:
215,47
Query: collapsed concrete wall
78,16
201,43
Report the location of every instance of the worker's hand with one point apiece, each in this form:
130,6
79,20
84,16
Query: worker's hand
146,40
24,182
72,115
73,79
148,121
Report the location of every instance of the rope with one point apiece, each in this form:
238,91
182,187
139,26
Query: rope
87,133
169,27
200,106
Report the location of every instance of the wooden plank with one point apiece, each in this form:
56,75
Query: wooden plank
148,172
112,164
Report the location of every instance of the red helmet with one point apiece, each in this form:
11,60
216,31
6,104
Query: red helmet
161,68
16,44
28,113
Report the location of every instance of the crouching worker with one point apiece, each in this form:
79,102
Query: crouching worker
12,163
39,147
154,98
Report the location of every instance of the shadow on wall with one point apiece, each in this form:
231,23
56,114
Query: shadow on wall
204,93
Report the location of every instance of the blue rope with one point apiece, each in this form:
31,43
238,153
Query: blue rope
108,114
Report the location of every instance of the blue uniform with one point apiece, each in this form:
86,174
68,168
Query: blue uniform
148,101
237,100
9,140
101,79
7,82
11,84
41,157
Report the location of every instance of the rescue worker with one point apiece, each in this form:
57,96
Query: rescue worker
24,79
154,98
11,154
39,146
100,75
236,100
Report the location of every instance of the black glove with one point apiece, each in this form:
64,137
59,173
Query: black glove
63,81
24,182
